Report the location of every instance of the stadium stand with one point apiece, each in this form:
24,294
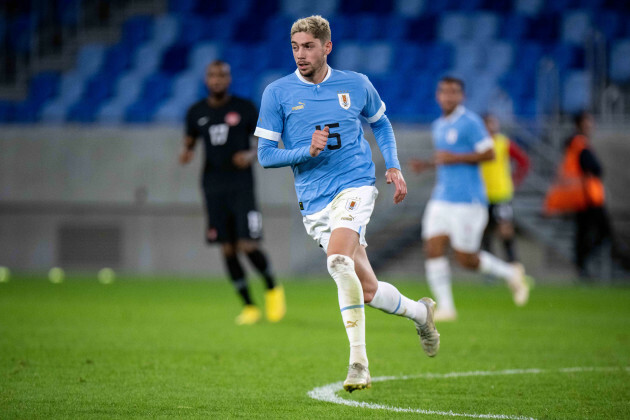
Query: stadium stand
155,67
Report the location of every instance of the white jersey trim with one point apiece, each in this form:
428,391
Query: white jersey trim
378,114
297,73
485,144
267,134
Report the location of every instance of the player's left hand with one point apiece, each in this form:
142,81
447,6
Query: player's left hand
243,159
394,176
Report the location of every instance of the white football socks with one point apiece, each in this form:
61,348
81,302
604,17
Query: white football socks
439,278
489,264
350,292
388,299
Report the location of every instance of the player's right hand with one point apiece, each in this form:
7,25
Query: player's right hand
186,156
318,141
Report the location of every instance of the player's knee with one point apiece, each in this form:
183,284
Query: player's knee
229,250
469,261
338,263
368,294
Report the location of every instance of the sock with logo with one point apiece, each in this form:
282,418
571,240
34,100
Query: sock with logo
388,299
350,292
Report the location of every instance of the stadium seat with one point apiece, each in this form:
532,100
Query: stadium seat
513,27
576,26
620,61
147,58
409,8
175,59
576,91
349,55
301,8
498,57
136,30
484,26
454,27
201,55
165,30
90,59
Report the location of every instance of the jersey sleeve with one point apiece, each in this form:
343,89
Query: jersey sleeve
191,126
480,138
270,120
374,107
252,118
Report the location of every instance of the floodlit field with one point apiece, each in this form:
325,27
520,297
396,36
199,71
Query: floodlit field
169,349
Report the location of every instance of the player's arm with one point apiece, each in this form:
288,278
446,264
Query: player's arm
384,134
522,163
188,150
443,157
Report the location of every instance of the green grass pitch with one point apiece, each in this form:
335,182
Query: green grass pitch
156,348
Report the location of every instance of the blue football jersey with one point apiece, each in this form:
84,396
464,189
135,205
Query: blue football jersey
293,108
461,132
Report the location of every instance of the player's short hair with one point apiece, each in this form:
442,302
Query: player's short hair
220,63
451,79
314,25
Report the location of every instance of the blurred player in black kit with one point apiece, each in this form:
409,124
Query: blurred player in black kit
226,124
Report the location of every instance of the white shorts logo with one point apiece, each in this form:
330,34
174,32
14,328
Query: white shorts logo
344,100
352,203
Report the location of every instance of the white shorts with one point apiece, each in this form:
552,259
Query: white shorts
463,223
351,208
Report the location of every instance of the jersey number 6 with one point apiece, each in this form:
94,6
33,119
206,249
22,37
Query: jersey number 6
332,135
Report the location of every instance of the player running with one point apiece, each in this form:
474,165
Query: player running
457,211
226,124
316,112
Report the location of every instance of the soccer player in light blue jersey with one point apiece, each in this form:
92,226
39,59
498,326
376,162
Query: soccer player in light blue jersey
457,211
317,113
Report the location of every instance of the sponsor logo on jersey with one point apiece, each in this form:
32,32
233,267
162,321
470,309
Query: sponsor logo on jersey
344,100
300,106
352,203
348,218
232,118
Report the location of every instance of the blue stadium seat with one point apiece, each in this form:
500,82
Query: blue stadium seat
484,26
576,91
610,24
620,61
349,55
136,30
353,7
301,8
117,59
182,6
379,57
422,29
498,57
514,27
409,8
147,59
201,55
166,30
175,59
469,57
544,28
454,27
90,59
576,26
567,56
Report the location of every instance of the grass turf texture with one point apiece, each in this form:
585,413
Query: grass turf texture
170,349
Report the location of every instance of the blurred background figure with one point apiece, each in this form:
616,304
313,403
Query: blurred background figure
457,213
226,123
500,181
579,189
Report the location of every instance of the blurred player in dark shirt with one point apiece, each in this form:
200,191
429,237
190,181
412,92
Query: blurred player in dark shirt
226,124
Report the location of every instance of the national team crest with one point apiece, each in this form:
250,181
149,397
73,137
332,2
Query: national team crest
352,203
344,100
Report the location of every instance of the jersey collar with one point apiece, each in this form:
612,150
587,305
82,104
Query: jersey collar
297,73
458,112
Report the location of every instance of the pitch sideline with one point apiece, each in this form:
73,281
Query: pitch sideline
328,393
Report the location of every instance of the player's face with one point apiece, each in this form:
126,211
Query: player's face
449,95
492,125
309,53
218,79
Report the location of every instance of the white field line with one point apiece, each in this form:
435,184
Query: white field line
328,393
